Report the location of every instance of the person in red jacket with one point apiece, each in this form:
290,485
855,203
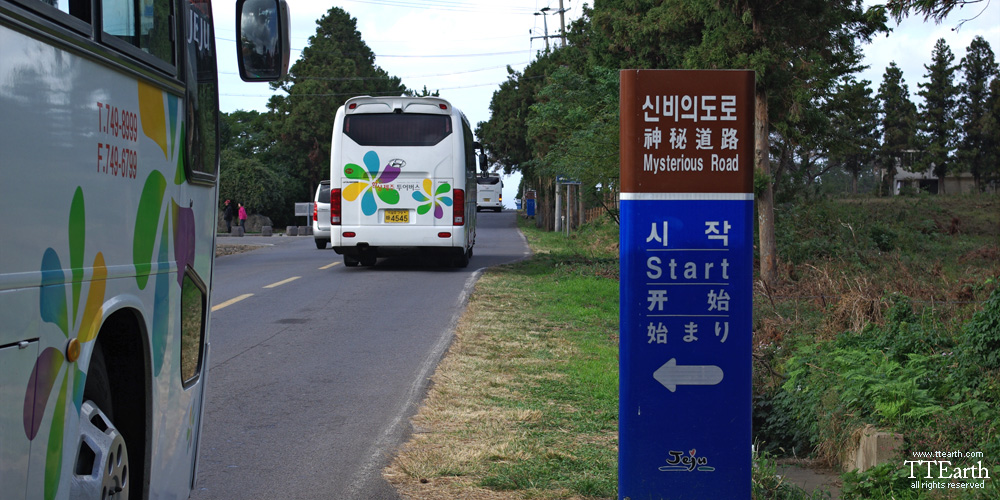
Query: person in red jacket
243,217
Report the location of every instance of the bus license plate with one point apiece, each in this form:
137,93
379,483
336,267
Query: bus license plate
487,200
397,216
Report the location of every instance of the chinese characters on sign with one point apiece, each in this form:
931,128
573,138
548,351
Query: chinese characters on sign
686,283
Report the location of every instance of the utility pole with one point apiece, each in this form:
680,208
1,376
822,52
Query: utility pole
562,23
545,22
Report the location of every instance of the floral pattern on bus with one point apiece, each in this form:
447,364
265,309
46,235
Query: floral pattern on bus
57,294
372,180
433,198
54,307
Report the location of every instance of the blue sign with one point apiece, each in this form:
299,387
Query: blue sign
687,216
686,311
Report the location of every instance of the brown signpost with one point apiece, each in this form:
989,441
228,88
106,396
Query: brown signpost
687,131
687,152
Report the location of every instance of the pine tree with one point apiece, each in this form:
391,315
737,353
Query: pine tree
937,113
991,135
853,128
335,66
796,49
936,9
980,67
898,124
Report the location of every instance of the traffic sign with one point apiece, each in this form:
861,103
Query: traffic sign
686,284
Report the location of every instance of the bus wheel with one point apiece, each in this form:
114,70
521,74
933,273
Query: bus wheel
351,261
102,465
460,258
368,260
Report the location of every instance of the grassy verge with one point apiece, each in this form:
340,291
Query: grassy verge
525,404
887,314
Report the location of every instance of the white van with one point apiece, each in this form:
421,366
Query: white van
321,215
490,195
402,180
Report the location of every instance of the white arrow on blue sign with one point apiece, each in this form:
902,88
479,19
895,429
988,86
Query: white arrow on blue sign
671,375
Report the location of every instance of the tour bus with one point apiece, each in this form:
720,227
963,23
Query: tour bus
490,193
108,188
402,179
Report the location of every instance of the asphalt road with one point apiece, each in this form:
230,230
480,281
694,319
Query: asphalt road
315,368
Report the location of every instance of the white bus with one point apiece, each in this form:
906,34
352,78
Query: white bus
490,193
402,179
108,189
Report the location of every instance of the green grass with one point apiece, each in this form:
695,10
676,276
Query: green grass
525,404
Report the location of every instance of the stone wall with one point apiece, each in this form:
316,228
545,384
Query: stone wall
254,223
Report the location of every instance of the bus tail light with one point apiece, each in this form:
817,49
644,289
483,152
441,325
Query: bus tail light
335,207
458,208
315,212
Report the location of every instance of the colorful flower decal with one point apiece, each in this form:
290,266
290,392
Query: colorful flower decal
433,198
57,293
372,182
49,365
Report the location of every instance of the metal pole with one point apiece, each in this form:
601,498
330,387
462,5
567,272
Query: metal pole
562,23
545,22
558,224
569,210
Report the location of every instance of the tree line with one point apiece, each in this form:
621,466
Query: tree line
814,119
816,123
273,159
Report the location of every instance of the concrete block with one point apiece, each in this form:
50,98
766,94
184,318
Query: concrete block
237,231
869,447
265,231
292,231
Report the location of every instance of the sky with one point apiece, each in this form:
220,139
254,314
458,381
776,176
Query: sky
463,47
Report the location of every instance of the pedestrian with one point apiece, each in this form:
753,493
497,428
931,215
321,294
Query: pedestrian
227,213
243,218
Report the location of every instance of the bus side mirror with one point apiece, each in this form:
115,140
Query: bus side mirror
483,163
264,48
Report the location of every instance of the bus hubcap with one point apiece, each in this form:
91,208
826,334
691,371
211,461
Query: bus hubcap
102,469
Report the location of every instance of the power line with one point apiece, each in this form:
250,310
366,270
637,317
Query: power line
436,56
346,78
341,94
446,5
412,56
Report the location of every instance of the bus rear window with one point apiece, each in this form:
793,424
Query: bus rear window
487,180
397,129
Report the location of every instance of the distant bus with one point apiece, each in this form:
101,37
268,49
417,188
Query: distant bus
402,180
490,193
108,186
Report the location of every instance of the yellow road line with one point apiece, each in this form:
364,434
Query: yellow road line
282,282
231,301
328,266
